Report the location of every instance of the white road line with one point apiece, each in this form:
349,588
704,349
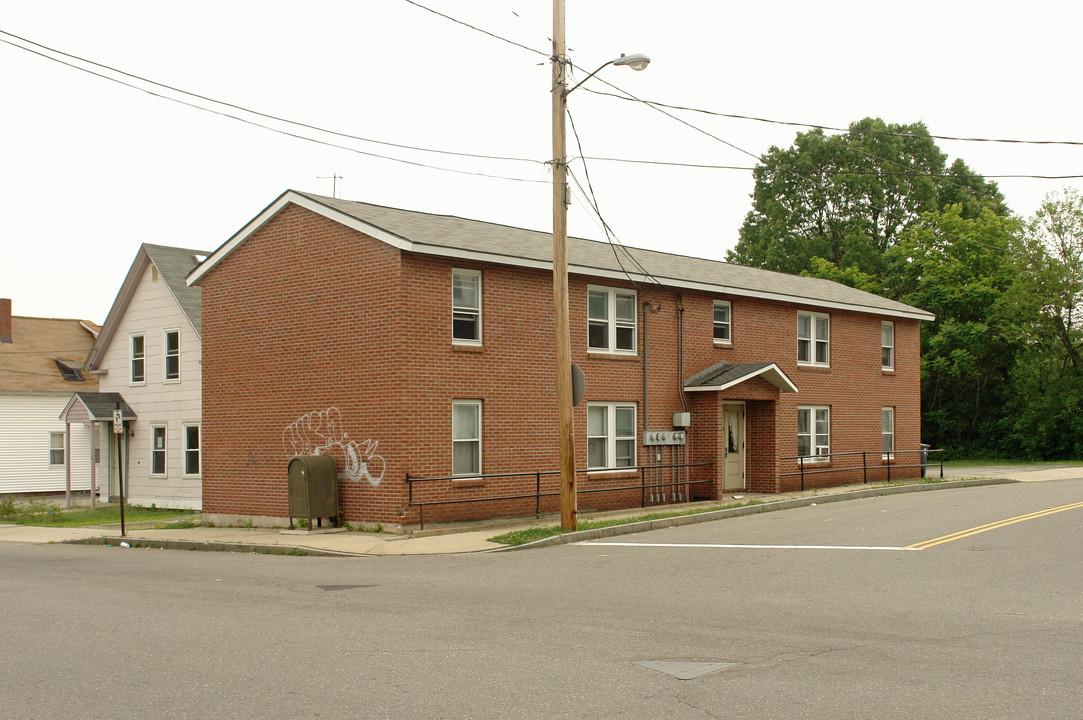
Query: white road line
745,547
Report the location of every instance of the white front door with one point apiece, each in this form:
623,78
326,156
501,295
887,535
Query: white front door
733,474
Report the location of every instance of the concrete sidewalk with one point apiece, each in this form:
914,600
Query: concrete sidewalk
474,537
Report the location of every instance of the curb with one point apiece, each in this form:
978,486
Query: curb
262,549
680,520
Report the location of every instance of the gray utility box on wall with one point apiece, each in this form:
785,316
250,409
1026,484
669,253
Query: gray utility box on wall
313,489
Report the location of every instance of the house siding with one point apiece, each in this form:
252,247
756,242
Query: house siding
173,404
26,420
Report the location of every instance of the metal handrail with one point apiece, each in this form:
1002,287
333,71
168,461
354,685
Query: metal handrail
538,494
887,463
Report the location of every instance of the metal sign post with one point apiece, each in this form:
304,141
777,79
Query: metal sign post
118,430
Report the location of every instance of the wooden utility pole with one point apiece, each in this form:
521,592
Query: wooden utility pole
568,501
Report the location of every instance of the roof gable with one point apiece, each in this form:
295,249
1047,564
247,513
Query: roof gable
456,237
173,265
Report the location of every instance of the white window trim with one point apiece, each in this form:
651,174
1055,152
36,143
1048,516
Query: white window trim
890,432
198,450
729,322
891,347
817,456
477,404
455,308
132,359
164,451
165,355
813,339
611,320
60,449
611,437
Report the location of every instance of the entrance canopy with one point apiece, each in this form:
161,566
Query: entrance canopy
96,407
725,375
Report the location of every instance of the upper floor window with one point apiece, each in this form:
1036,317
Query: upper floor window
56,448
138,359
191,450
814,432
611,435
466,437
157,450
466,307
887,346
611,320
813,339
887,431
172,354
722,332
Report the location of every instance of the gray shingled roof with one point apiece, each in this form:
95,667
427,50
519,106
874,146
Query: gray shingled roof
100,405
515,244
725,375
174,264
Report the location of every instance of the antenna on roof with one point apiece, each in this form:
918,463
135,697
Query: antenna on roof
334,178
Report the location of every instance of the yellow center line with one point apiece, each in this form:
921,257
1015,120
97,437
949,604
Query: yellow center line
991,526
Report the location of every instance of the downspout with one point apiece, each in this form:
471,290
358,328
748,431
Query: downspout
680,352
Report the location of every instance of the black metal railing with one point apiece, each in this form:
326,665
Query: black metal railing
808,465
648,481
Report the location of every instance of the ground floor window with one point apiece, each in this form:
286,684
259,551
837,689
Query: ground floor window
56,448
887,432
466,437
814,432
611,435
191,449
157,450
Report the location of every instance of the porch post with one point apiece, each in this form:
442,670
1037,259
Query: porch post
67,463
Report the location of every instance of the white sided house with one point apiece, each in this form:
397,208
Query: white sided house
41,365
147,359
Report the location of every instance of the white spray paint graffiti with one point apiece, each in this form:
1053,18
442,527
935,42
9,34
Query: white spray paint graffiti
321,433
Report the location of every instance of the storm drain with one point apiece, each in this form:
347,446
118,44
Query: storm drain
685,669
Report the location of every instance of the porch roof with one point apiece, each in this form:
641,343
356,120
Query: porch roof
96,407
725,375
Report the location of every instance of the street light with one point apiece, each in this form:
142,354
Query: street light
568,519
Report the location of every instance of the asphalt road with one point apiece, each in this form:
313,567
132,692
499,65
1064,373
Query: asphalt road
989,625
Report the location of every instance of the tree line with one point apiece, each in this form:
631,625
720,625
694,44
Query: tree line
879,208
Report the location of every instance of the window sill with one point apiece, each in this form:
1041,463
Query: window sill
723,343
469,348
813,368
467,482
612,474
611,355
887,371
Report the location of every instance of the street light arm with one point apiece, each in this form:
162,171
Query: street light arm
637,62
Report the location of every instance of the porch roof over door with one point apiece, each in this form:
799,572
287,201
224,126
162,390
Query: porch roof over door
725,375
96,407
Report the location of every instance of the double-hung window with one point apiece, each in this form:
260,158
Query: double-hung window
466,437
138,359
191,450
157,450
887,345
466,307
813,339
56,448
611,320
814,432
887,432
722,330
611,435
172,355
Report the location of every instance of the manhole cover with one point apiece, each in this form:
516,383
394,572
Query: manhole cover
685,669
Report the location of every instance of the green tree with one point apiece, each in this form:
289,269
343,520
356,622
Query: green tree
847,198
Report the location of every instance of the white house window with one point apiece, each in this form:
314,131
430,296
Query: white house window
172,354
814,433
722,334
466,307
813,339
887,345
138,359
887,432
611,320
611,435
466,437
191,450
56,448
157,450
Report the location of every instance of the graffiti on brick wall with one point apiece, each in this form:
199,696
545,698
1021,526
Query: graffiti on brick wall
321,432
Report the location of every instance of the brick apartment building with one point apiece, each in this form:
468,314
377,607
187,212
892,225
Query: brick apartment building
409,345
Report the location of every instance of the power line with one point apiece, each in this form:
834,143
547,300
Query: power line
472,27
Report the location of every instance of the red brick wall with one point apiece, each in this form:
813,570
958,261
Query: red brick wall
308,315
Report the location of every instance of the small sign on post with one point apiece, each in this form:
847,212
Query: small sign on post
118,422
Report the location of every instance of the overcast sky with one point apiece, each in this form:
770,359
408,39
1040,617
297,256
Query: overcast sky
91,169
